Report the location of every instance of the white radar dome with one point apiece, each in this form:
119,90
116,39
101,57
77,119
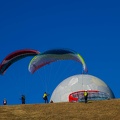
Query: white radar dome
79,83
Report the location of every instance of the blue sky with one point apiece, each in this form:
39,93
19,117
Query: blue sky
90,27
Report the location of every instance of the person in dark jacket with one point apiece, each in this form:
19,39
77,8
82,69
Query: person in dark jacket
23,99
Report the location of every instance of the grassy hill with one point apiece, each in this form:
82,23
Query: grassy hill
93,110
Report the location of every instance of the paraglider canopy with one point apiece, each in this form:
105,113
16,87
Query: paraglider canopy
15,56
53,55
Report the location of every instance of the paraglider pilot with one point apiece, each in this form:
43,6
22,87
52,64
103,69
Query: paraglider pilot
85,96
23,99
45,97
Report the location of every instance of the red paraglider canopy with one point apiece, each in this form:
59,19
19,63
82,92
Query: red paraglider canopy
15,56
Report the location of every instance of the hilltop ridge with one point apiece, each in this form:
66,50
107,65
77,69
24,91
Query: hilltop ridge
93,110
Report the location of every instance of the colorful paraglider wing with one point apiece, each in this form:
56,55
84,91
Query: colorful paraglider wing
15,56
54,55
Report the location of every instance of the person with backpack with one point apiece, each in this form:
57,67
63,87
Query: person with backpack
45,97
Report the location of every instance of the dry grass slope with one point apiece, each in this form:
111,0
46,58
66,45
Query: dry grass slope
94,110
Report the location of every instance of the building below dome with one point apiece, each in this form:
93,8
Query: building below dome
72,88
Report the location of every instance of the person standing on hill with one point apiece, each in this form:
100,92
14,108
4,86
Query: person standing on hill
85,96
23,99
45,97
4,102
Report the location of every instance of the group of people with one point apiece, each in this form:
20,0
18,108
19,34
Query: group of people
45,97
22,100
